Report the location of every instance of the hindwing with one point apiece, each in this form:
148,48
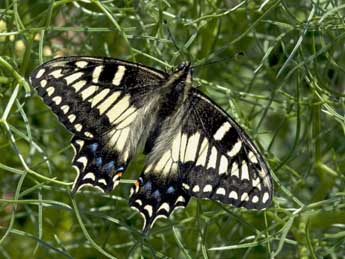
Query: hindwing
104,102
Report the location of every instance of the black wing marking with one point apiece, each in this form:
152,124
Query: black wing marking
201,152
104,103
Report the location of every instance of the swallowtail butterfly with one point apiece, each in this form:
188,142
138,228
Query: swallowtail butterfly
114,107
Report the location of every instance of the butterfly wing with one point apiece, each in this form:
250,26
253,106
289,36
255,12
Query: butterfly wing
104,102
202,152
227,166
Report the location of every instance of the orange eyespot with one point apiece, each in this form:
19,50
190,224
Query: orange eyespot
137,183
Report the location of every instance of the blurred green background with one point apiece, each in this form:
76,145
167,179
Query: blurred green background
278,67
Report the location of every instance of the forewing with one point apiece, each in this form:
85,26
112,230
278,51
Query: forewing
104,103
222,163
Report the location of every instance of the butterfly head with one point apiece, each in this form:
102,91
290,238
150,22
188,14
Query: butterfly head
184,73
185,66
178,83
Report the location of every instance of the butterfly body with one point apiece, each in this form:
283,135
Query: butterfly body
115,108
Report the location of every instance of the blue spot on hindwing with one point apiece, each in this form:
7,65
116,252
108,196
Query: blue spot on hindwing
171,189
120,169
108,167
98,161
156,194
148,186
93,147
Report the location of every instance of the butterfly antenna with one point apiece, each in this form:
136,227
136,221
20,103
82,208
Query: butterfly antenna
180,50
206,63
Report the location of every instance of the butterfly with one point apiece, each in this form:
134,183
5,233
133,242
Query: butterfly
116,108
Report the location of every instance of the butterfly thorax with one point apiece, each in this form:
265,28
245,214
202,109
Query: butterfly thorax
175,90
173,94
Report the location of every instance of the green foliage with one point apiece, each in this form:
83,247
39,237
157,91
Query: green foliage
276,66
